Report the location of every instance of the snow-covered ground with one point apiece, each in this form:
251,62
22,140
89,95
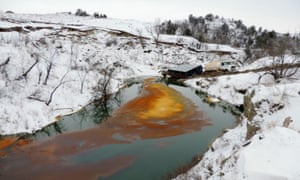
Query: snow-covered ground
273,151
76,51
273,157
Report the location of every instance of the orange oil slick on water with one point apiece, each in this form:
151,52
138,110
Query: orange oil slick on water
159,111
158,107
163,103
5,142
23,142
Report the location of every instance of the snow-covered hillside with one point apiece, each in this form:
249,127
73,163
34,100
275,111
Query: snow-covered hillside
63,56
51,65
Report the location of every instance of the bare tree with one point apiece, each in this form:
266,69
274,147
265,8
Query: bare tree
5,62
82,71
284,63
82,76
282,68
35,96
103,87
61,82
24,75
73,54
159,55
102,91
40,75
3,69
50,64
141,38
155,31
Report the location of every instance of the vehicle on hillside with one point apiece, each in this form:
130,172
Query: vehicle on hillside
225,65
228,65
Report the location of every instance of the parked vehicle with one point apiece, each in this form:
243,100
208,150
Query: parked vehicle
228,65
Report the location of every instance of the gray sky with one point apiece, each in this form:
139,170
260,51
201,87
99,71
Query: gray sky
279,15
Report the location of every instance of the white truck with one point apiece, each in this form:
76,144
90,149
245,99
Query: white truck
225,65
228,65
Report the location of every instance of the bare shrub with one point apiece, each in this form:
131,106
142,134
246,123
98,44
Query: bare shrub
97,15
111,42
287,121
80,12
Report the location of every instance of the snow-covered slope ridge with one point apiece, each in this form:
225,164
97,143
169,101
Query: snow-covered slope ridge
134,27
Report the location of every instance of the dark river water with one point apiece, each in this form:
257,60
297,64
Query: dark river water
54,152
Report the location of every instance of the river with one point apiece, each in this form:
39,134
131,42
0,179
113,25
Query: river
146,131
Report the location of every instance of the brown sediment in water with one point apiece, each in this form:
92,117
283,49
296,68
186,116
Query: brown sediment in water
158,112
92,170
23,142
50,170
7,141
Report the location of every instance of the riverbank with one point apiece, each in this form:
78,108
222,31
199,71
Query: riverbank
233,155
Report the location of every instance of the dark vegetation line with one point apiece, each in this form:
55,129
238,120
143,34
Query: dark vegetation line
230,31
257,42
